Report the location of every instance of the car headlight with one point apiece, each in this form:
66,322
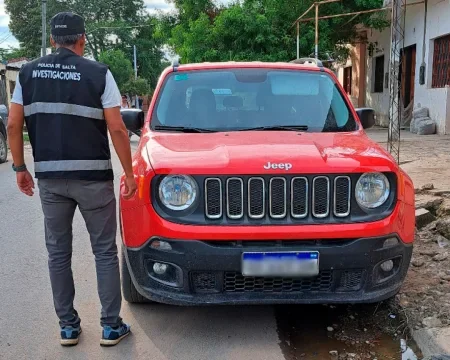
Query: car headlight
178,192
372,190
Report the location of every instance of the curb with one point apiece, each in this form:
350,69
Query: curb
433,341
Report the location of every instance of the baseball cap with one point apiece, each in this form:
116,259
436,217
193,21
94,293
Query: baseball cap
67,23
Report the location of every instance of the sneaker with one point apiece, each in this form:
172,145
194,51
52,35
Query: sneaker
112,336
70,335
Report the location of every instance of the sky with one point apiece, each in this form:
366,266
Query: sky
6,38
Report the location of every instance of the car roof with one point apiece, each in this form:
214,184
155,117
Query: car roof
250,65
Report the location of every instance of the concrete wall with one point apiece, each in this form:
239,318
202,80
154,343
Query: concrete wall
378,101
357,62
340,75
437,100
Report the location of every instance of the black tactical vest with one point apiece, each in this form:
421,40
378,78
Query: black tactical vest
64,116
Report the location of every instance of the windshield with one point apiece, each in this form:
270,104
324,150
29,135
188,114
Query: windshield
242,99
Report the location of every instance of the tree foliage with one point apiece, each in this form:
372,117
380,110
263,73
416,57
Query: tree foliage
262,29
137,86
100,15
148,49
110,25
12,53
120,66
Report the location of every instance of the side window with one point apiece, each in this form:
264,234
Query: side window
339,108
171,105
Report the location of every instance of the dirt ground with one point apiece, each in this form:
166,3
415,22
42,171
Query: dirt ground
426,292
425,296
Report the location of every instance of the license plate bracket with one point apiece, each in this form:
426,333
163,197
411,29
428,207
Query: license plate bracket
295,264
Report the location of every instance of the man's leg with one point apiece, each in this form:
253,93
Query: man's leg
58,211
97,204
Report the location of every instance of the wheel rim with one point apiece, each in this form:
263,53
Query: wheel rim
2,148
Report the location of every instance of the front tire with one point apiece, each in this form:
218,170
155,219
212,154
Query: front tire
129,291
3,148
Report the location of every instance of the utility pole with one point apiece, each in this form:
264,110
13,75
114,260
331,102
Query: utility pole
44,28
316,47
136,101
395,78
135,62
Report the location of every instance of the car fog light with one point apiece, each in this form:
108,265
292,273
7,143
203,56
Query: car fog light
387,266
161,245
159,268
390,242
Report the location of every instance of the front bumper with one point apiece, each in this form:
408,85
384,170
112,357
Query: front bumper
209,272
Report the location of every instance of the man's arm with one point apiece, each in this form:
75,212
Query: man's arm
15,133
15,137
111,101
119,136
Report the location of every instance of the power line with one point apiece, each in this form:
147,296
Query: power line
117,27
3,40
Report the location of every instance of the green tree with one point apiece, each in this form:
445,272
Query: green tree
102,17
119,65
262,29
148,48
12,53
137,86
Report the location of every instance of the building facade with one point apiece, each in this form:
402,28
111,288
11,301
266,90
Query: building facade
426,49
8,77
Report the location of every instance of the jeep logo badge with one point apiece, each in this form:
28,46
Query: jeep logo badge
281,166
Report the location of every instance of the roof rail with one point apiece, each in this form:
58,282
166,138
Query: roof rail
175,64
308,61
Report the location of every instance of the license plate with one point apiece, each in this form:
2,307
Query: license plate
281,264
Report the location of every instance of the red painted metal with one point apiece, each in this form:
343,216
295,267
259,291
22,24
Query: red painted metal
246,153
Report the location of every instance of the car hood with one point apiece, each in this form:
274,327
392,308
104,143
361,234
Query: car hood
265,152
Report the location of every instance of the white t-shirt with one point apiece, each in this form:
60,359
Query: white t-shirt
111,96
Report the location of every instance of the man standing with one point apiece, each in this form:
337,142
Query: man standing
68,103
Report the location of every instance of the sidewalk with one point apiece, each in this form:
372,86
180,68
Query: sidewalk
426,158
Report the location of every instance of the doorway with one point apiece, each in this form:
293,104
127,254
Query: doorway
408,74
348,80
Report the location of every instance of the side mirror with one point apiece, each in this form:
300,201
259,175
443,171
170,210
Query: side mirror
366,116
133,119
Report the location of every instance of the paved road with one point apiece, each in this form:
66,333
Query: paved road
29,327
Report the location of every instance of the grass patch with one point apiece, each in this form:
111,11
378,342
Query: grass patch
26,138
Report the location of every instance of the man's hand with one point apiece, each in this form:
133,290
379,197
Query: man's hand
130,188
25,182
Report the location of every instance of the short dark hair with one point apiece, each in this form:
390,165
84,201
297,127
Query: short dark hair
66,40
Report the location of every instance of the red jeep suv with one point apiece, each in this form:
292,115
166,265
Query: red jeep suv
258,185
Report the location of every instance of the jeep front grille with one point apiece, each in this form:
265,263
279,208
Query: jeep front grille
277,197
256,198
342,193
236,283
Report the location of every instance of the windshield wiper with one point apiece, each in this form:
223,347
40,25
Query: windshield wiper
278,128
182,129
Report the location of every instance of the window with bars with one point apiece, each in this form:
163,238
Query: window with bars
441,62
378,82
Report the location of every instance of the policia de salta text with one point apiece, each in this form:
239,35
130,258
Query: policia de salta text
68,104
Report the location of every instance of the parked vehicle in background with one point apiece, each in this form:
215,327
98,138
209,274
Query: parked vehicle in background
258,185
3,133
